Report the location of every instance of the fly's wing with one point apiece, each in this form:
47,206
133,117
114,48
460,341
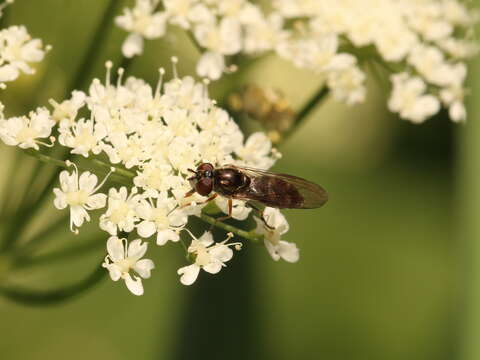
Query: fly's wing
313,195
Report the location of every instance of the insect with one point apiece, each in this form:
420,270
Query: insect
257,187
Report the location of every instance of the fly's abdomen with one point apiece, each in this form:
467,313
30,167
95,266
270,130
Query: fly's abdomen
275,192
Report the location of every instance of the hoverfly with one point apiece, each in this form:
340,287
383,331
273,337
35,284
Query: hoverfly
257,187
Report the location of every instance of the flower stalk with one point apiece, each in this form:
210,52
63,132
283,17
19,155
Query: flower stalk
318,97
53,296
469,188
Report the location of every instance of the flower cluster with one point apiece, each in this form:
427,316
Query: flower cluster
151,137
424,43
17,51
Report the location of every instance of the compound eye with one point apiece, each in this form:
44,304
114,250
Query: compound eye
204,186
205,167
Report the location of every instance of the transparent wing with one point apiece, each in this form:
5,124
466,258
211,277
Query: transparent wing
314,195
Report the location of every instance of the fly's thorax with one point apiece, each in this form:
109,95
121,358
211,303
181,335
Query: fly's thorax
228,181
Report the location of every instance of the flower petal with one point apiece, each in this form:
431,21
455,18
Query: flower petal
78,215
60,201
164,235
206,239
136,249
213,267
87,181
144,267
272,250
146,229
96,201
211,65
134,285
221,252
188,274
133,45
288,251
113,270
115,248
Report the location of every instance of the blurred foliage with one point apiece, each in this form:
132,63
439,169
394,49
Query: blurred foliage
380,270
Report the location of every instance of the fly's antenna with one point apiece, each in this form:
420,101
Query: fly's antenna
194,176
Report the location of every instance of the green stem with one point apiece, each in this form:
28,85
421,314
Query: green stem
47,159
42,237
95,47
303,114
10,184
195,42
469,227
54,296
120,175
4,19
249,235
118,171
23,262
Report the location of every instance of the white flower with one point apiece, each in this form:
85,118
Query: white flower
25,132
180,11
348,85
182,154
219,39
83,137
154,178
125,149
209,256
211,65
66,112
256,152
120,214
186,94
141,22
262,35
430,62
17,51
409,99
123,258
453,98
78,193
162,219
277,248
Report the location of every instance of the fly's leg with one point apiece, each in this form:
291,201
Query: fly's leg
190,193
222,218
261,215
230,210
200,203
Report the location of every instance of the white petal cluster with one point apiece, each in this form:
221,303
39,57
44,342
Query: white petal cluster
425,39
27,131
123,258
208,255
79,194
17,52
276,226
142,22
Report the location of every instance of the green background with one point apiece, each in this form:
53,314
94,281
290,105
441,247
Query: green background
386,268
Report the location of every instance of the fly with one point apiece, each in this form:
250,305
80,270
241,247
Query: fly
257,187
